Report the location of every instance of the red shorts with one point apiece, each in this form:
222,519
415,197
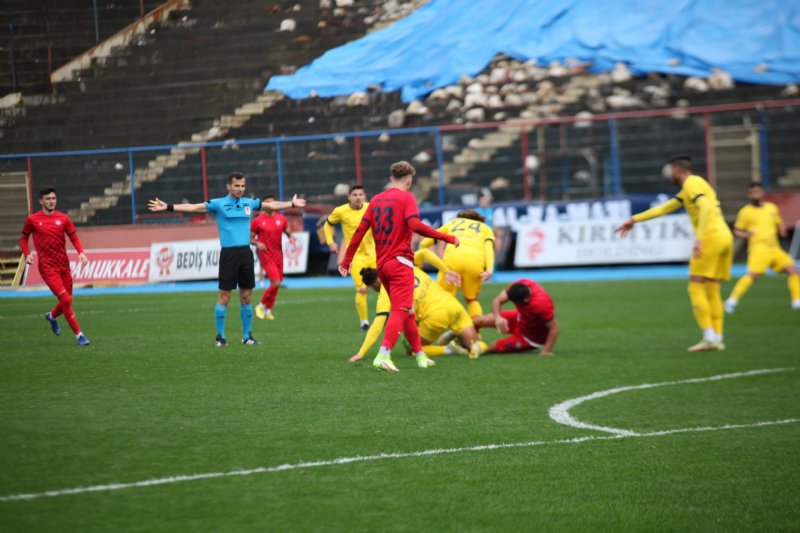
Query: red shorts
523,337
58,280
273,268
399,282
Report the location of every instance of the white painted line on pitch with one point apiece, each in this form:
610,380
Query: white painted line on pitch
560,412
379,457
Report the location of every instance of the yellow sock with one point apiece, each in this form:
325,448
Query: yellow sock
361,305
741,287
794,286
474,308
433,350
714,295
700,305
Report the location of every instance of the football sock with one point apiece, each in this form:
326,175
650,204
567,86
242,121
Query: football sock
714,295
56,312
361,305
65,306
474,308
270,295
246,312
412,333
265,297
744,283
394,325
219,317
434,350
794,286
700,306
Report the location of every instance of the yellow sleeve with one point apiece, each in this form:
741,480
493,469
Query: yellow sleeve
382,309
778,219
332,220
741,220
704,208
430,256
673,204
488,248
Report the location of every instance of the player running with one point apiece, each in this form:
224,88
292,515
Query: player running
393,216
266,234
761,223
49,227
436,309
712,255
532,324
473,260
349,216
236,267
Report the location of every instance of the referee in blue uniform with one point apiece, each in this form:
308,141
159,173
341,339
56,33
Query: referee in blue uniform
236,267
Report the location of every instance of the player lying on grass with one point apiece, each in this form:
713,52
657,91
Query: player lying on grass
473,259
761,223
437,311
236,265
532,324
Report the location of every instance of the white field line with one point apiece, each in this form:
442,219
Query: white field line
379,457
560,412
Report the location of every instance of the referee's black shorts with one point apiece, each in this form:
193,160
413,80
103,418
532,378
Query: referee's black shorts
236,268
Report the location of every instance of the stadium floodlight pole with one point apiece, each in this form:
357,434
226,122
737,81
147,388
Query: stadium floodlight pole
440,165
133,186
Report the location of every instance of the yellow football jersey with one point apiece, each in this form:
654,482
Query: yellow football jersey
349,219
476,242
763,221
422,286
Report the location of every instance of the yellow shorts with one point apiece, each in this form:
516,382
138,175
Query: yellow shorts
715,260
759,259
470,270
355,271
441,316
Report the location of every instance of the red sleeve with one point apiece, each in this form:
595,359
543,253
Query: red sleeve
27,229
417,226
254,225
356,241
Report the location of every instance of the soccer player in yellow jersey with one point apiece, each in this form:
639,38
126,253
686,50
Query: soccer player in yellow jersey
712,254
436,310
761,223
348,216
473,259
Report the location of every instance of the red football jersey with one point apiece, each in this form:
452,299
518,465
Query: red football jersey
539,308
388,216
49,232
269,230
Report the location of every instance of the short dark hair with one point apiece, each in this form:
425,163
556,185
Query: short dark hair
236,176
683,162
754,184
369,275
517,292
44,192
471,214
355,188
401,169
269,195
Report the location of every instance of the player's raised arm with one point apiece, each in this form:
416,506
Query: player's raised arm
673,204
277,206
160,205
355,241
499,322
418,226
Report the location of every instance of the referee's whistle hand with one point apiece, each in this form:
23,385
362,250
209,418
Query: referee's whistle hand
298,202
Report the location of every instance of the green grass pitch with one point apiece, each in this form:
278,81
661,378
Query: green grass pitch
153,398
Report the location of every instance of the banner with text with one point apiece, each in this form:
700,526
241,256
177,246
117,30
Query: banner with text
113,265
594,242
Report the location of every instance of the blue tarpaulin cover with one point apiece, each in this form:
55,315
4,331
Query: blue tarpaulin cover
755,41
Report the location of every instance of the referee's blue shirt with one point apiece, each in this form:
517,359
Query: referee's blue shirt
233,219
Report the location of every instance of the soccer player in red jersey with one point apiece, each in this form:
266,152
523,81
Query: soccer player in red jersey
266,231
48,227
532,324
393,216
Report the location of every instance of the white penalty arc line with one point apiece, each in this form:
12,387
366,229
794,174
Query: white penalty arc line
379,457
560,412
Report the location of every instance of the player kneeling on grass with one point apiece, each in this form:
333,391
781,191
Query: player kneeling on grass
437,311
532,324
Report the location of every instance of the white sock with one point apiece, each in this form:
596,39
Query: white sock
719,337
268,311
448,349
420,354
384,352
261,306
709,335
365,322
78,335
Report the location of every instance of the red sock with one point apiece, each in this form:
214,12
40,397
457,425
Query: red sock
65,301
393,328
272,295
412,333
265,296
56,312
